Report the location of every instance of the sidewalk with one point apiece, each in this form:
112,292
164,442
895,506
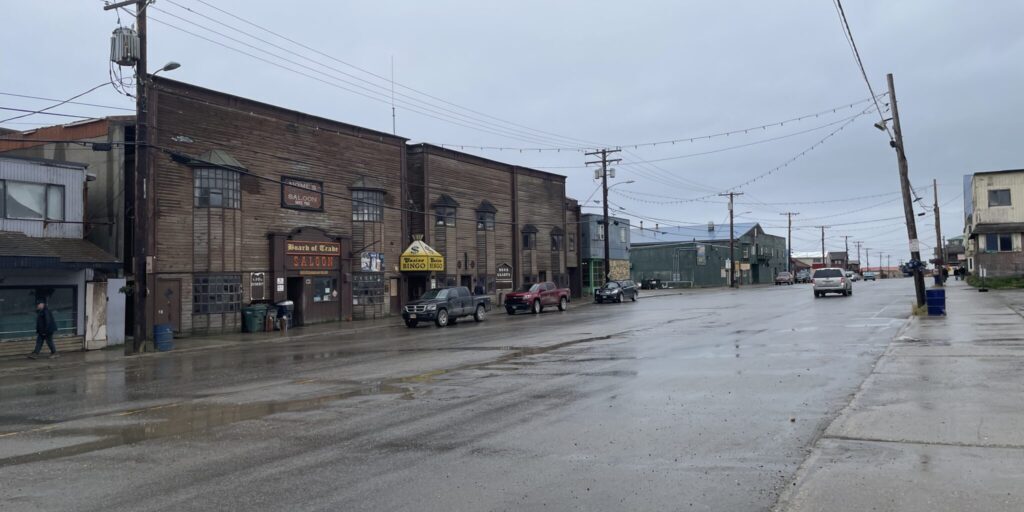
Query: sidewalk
19,364
938,425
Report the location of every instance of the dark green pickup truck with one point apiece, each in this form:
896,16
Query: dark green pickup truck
444,306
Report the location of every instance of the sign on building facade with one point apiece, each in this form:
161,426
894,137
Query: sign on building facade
300,194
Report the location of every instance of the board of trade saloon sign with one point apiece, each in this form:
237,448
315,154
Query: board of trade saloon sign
303,255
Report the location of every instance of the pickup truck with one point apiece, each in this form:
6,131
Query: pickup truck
445,306
533,297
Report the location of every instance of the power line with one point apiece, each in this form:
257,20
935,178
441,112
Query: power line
67,102
55,105
38,112
386,79
860,63
382,97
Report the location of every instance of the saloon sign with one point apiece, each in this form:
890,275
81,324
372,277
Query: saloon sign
312,256
302,194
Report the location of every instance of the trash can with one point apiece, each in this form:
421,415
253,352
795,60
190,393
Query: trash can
253,317
163,337
935,299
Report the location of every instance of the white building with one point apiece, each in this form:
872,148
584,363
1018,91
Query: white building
43,256
994,222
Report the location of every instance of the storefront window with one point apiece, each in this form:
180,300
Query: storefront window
367,288
217,188
325,289
18,304
368,205
212,294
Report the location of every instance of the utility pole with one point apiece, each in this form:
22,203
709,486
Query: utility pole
823,257
908,205
867,256
604,161
939,253
859,262
880,264
789,239
888,261
846,242
732,239
140,210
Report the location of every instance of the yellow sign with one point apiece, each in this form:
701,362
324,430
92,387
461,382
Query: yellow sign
420,257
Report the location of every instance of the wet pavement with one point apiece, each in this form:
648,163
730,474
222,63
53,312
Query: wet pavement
709,400
937,425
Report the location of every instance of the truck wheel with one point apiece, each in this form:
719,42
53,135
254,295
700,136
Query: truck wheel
480,313
411,323
563,304
537,308
633,298
619,298
442,318
510,311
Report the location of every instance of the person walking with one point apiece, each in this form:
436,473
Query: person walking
45,327
479,290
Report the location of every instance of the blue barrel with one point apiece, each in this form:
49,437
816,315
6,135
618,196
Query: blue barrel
935,299
163,336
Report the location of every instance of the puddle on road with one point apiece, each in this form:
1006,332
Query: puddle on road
185,418
195,416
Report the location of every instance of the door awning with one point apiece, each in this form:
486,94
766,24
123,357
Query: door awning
420,257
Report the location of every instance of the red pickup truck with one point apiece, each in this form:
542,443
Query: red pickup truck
533,298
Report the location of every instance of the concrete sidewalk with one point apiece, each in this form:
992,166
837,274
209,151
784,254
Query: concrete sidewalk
21,364
938,425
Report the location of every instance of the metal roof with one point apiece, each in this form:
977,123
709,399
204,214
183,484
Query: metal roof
18,250
696,232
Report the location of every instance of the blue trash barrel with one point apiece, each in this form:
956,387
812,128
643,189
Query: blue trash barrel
935,299
162,337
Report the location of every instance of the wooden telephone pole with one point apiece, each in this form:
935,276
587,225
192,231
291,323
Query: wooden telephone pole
940,256
823,257
732,239
789,240
908,205
604,161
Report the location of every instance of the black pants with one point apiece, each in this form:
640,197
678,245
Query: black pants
49,343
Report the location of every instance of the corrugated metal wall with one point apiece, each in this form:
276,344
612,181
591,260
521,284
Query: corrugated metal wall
37,172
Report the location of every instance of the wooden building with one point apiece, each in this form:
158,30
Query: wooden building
494,223
254,203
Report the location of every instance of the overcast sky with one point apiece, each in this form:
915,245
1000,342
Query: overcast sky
575,73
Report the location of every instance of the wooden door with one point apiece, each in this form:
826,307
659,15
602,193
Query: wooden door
168,303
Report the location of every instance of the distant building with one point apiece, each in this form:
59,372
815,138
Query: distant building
994,222
955,252
698,255
592,234
838,259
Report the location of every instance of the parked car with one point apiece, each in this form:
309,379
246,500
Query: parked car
445,306
853,276
535,296
870,276
784,278
616,291
831,280
803,276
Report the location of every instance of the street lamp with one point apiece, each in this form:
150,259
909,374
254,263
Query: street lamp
170,66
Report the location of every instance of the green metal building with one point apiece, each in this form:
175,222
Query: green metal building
697,256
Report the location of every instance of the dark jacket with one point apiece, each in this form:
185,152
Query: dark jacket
479,290
45,324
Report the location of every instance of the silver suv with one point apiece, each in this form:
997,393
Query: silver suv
831,280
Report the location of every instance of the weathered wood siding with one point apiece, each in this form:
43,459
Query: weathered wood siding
541,199
270,142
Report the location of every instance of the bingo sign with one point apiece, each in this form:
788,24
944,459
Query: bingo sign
312,258
301,194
